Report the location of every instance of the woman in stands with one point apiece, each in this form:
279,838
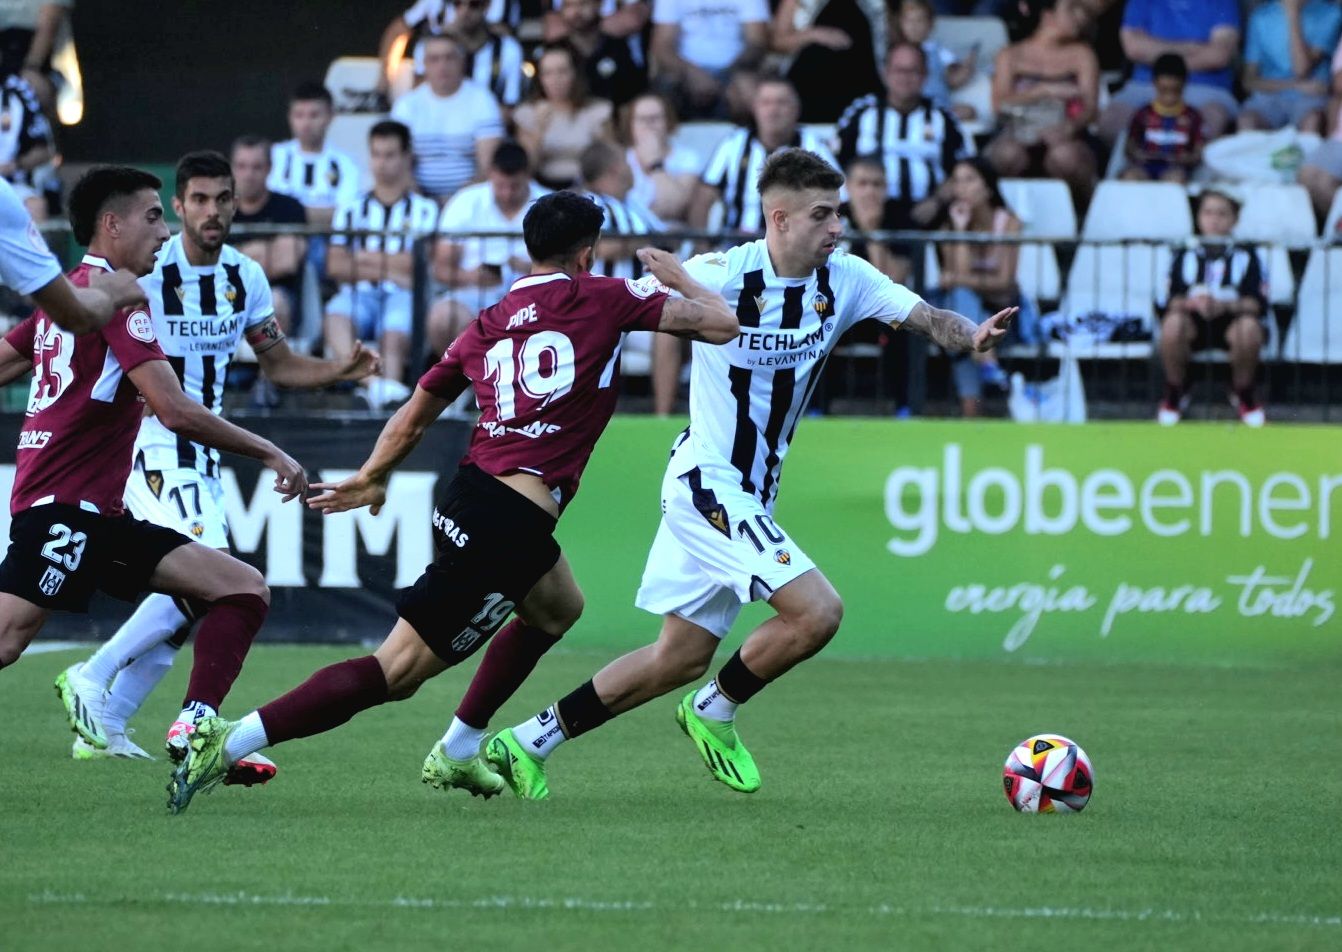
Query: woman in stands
831,45
978,279
560,119
1046,94
664,172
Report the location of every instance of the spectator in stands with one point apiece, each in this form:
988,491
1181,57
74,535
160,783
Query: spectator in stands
696,46
977,279
1286,64
945,70
25,142
1217,301
609,182
560,117
1321,173
28,33
1165,136
455,124
493,60
664,173
735,165
317,175
611,71
917,142
1045,92
376,271
1205,33
280,256
477,271
627,19
405,35
831,48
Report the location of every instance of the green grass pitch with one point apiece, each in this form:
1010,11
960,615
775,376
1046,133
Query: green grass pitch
881,823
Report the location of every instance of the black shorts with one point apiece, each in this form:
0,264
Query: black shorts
1211,333
59,554
491,546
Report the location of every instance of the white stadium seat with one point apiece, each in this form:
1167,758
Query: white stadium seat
1315,335
1276,213
1044,206
348,76
962,34
1154,210
702,138
1334,215
349,133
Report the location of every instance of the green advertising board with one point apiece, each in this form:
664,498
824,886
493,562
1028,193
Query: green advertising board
1123,541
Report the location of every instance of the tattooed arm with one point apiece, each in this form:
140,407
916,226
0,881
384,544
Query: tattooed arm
955,333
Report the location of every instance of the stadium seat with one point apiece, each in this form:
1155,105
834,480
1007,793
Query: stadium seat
350,79
1315,336
1277,213
1044,206
1158,211
702,137
1334,216
349,133
962,34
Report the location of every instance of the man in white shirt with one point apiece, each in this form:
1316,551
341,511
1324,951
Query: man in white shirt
477,271
696,44
454,123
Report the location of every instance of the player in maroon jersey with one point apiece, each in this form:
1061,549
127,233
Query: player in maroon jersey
544,362
70,533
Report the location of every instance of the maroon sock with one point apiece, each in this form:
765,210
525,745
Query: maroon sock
326,700
1246,398
1174,392
511,657
225,634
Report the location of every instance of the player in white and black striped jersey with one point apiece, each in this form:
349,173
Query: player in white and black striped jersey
25,134
736,163
204,297
376,271
918,142
718,546
319,176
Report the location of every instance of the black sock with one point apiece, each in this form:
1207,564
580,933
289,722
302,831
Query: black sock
1173,394
737,681
1246,398
582,711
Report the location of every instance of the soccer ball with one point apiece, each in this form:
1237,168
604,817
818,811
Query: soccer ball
1048,773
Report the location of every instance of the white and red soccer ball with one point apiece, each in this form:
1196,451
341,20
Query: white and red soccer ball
1048,773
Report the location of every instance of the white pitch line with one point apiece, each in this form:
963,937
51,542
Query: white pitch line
578,904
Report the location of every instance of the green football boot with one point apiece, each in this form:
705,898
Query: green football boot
83,702
474,776
722,751
204,766
523,773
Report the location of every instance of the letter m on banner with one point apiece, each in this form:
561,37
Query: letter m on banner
406,517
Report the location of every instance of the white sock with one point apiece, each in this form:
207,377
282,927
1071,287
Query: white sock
541,734
155,621
462,741
196,711
133,684
247,738
712,704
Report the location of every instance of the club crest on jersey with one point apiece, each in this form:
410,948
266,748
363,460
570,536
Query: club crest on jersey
140,326
821,304
197,529
51,581
230,292
782,556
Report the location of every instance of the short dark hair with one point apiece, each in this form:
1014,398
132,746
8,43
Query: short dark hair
868,160
510,158
797,170
598,159
391,129
310,91
1170,64
251,141
561,224
97,187
203,164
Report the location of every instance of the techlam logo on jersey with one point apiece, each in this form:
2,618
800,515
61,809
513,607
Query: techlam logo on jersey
526,315
1053,501
534,430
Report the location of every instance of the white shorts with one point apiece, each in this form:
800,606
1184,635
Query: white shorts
180,499
716,549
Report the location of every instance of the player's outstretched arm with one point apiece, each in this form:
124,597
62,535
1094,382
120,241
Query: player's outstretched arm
288,369
701,314
956,333
368,487
80,310
179,413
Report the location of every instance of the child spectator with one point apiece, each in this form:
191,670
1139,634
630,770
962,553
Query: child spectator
1165,135
945,70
